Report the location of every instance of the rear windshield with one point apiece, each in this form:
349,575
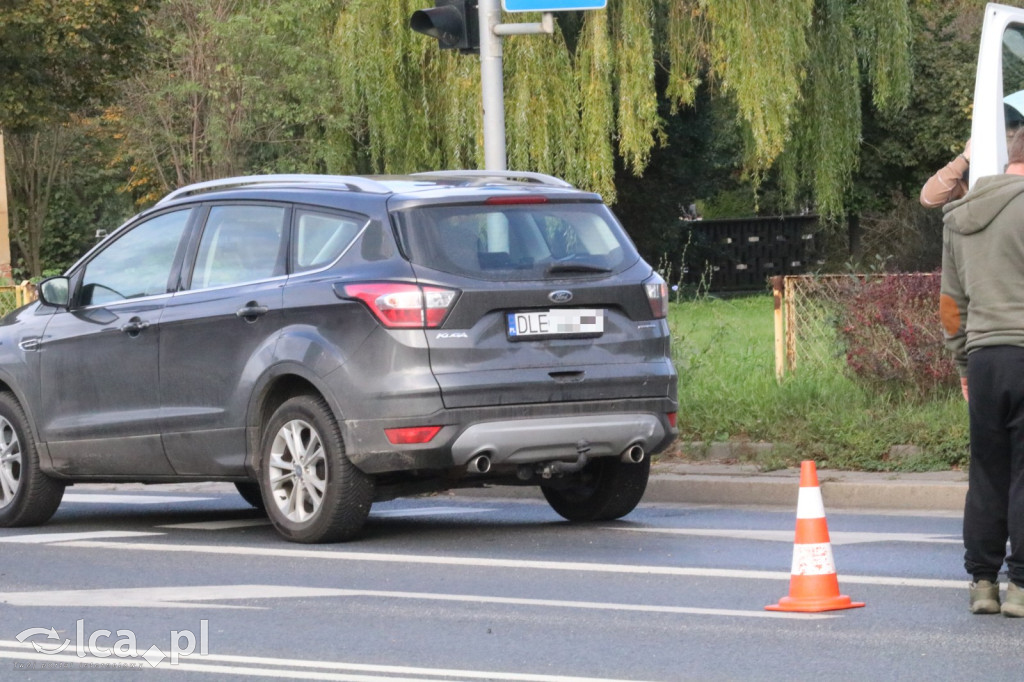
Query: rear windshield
516,242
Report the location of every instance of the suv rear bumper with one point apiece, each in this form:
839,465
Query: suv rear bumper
521,441
515,434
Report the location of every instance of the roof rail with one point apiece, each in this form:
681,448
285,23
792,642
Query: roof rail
541,178
349,182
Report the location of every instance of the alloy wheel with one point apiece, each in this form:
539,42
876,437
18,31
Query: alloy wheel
10,462
298,471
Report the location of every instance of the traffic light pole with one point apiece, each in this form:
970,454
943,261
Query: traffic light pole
492,85
492,79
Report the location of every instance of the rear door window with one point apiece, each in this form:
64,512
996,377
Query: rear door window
515,242
240,244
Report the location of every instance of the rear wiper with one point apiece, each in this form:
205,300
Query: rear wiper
557,268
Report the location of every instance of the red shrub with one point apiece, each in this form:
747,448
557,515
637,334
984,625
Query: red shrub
891,330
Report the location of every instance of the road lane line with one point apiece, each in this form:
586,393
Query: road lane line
182,596
427,511
837,537
479,562
309,670
44,538
219,525
123,498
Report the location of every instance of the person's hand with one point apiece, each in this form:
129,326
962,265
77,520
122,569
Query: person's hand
967,151
963,387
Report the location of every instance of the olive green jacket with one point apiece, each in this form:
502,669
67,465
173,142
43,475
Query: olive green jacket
982,298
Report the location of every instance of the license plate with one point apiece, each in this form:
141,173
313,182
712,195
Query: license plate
557,322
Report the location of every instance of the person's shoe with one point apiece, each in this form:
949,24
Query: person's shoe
985,598
1013,607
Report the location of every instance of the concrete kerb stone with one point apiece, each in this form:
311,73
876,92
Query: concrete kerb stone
675,481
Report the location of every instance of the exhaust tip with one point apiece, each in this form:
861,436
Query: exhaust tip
634,454
480,464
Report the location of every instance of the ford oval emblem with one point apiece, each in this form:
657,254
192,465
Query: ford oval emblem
560,296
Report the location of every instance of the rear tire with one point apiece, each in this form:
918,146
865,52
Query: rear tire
605,489
311,491
28,497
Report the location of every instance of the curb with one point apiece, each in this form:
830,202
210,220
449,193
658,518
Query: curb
736,485
675,481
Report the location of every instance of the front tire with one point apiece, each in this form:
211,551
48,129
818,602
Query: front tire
28,497
606,489
311,491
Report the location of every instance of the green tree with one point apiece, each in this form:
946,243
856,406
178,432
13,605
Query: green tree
228,87
56,57
587,95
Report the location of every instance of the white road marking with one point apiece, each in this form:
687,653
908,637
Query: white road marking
43,538
124,498
258,666
480,562
388,513
163,597
837,537
427,511
181,596
219,525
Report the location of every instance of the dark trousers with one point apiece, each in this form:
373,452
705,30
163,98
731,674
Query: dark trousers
994,511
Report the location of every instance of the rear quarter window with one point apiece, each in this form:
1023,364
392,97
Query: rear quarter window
320,238
515,242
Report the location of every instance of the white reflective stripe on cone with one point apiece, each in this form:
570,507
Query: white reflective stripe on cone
809,504
813,559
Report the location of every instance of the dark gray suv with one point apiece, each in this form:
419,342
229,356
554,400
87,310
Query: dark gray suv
328,341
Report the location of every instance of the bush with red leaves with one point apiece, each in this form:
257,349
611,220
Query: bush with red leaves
890,327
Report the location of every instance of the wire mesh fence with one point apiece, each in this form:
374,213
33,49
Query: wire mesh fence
819,314
16,295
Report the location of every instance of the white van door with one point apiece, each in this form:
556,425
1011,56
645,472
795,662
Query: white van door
998,89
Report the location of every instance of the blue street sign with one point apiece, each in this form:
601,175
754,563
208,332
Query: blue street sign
551,5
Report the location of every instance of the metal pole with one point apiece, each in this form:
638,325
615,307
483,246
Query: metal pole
492,86
5,235
780,340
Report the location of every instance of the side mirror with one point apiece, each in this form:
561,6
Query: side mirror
55,291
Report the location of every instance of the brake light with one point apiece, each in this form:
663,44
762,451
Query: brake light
657,295
512,201
412,435
406,306
671,419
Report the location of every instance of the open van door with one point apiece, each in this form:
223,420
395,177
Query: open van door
998,89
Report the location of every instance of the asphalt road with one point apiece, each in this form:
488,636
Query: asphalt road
464,588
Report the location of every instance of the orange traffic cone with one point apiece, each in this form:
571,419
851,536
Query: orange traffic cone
813,585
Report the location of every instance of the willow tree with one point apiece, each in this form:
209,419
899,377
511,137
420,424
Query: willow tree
577,99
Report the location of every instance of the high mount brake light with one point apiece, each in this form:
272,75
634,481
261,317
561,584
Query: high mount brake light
404,306
512,201
657,295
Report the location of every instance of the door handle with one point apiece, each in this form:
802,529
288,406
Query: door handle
134,326
251,311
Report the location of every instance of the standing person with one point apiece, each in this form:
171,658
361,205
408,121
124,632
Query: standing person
982,313
949,183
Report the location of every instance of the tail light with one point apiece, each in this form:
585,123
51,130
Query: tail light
406,306
657,294
412,435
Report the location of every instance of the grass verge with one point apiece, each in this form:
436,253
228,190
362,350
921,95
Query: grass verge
724,352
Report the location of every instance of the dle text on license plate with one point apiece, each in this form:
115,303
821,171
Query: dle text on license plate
557,322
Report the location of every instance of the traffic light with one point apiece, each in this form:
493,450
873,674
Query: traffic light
452,22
